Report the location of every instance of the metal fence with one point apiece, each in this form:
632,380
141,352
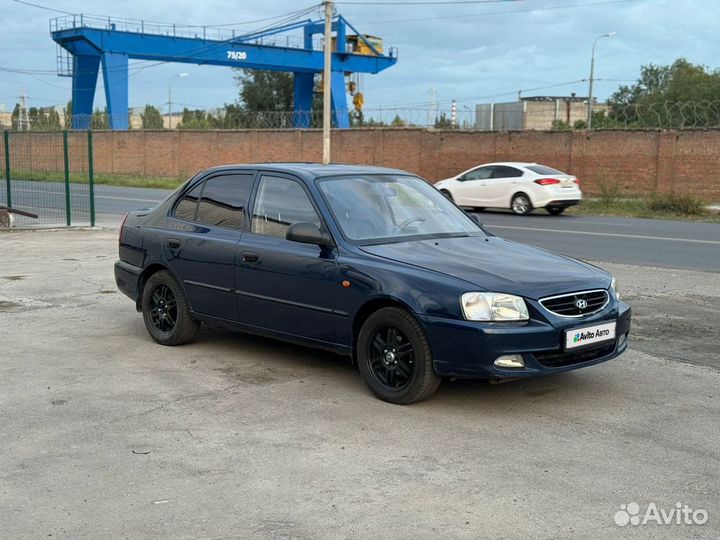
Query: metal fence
47,178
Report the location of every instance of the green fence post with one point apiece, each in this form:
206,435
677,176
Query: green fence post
91,178
6,138
68,214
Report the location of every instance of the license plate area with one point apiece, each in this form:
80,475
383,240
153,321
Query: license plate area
586,336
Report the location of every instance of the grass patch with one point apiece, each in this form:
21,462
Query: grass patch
654,206
99,178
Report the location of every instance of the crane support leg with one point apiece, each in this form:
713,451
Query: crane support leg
115,77
84,81
339,101
303,96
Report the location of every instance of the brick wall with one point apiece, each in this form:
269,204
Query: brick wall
639,161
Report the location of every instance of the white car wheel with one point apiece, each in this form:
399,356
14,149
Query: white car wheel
521,204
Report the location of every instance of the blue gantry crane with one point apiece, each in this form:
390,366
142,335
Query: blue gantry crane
86,42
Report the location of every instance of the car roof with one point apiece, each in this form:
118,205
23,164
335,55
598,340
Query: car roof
511,163
313,169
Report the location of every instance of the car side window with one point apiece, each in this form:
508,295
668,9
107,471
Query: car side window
280,203
503,171
187,206
219,201
482,173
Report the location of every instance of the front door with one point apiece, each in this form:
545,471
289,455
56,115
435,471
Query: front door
472,186
202,247
281,285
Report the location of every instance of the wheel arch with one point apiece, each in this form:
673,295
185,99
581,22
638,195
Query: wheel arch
368,308
153,268
525,192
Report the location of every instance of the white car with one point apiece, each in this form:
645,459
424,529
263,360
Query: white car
521,187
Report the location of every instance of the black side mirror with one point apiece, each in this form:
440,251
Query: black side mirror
476,220
307,233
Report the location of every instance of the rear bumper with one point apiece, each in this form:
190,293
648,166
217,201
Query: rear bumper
127,278
562,203
469,349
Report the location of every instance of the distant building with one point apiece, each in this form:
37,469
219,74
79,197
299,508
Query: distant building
533,113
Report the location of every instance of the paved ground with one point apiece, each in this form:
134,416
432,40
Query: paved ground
107,435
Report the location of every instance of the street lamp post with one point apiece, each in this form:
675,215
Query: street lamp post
170,122
592,75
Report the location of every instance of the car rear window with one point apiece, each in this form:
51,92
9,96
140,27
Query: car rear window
542,169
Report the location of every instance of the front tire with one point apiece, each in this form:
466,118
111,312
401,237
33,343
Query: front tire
521,205
394,357
165,311
447,194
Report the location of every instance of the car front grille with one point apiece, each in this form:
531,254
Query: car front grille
579,304
560,358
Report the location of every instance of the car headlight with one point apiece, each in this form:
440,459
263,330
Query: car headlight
487,306
614,287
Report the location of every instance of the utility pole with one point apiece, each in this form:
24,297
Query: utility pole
23,117
170,117
327,73
592,75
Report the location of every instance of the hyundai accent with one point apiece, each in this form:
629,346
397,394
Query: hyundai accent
369,262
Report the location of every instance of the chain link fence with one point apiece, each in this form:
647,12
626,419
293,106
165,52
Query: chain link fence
47,179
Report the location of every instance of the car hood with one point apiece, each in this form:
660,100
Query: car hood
497,265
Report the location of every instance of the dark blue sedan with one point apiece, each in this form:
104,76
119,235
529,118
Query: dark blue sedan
369,262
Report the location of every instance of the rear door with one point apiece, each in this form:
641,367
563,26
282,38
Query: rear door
281,285
208,222
472,187
502,185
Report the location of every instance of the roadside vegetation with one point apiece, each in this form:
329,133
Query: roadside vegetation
654,206
123,180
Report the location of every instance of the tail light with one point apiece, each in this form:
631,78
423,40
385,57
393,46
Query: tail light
122,230
577,181
547,181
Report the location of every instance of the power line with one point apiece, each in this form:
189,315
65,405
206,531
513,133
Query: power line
483,14
38,6
426,3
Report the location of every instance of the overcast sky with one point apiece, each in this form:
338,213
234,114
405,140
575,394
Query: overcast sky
469,52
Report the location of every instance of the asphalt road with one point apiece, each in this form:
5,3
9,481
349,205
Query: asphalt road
644,242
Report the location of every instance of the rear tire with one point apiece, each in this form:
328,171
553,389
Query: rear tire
555,210
394,357
521,205
165,311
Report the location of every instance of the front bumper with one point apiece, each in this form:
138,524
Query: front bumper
469,349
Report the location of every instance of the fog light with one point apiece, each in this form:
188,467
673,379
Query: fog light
510,361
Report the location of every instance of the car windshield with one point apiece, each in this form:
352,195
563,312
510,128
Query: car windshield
378,209
542,169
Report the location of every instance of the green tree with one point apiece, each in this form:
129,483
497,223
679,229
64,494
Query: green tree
68,115
100,120
151,118
262,91
667,96
443,122
194,119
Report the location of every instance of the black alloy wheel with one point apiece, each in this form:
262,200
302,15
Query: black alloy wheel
166,312
394,357
163,308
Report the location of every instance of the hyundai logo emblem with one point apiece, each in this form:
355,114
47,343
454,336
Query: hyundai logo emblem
580,303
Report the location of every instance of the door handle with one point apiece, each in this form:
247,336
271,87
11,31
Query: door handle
173,243
250,256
